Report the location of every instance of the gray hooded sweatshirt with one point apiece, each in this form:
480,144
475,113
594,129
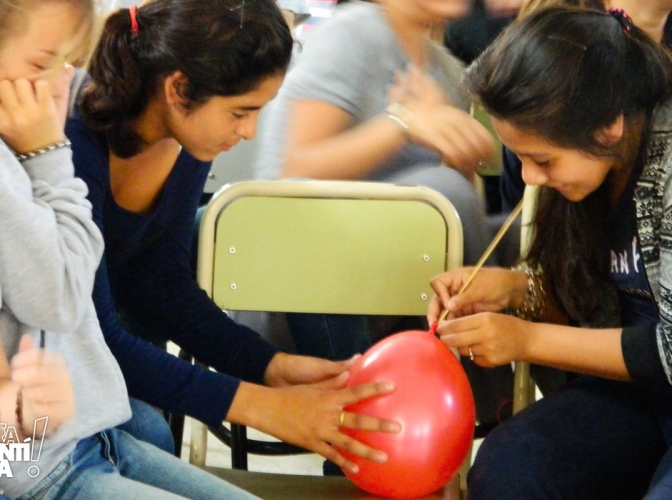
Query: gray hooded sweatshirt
49,251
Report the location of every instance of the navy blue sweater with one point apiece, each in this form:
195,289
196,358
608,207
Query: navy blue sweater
146,272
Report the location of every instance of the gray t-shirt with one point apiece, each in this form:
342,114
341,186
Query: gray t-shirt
49,252
350,61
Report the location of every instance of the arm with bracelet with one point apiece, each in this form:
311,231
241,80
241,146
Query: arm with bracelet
537,304
400,115
337,117
507,315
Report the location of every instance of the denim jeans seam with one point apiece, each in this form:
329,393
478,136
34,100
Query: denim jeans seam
107,448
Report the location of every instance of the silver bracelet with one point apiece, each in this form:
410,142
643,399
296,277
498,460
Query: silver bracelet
396,113
65,143
535,296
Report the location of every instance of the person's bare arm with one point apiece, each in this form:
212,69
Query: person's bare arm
322,145
497,339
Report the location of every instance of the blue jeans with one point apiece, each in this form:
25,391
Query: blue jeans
112,465
149,425
329,336
593,439
661,485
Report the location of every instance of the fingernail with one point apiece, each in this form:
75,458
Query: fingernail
391,427
353,468
379,457
388,386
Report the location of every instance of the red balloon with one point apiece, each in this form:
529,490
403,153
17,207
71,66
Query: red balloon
432,401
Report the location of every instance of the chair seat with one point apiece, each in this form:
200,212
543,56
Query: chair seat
292,487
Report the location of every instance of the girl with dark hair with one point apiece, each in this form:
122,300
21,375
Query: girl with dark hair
172,84
652,16
583,98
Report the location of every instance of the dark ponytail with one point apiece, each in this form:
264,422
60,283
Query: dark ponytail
565,75
223,47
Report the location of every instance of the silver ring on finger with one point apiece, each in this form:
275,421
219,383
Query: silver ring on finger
471,354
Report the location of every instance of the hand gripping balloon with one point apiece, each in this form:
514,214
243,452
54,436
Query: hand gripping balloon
433,403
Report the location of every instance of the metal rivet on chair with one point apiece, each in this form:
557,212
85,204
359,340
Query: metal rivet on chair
423,296
425,258
212,176
232,250
233,286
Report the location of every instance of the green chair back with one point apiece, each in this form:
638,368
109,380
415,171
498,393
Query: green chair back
327,247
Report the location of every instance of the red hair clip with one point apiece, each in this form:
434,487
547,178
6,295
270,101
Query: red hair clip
133,11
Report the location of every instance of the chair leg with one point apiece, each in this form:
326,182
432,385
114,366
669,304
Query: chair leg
238,447
176,424
453,490
464,469
199,443
523,388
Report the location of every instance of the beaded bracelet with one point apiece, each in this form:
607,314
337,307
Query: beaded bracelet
399,114
65,143
535,296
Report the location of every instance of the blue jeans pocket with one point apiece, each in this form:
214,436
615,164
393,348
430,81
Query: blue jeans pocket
49,484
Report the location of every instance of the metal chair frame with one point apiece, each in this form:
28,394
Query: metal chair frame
214,250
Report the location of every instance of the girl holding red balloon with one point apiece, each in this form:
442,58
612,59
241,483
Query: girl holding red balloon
195,75
584,99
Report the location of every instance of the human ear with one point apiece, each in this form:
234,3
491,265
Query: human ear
175,88
613,133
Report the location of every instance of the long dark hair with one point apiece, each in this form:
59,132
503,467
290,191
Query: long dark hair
566,74
223,47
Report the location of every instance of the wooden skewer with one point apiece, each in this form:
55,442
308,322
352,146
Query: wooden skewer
484,257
